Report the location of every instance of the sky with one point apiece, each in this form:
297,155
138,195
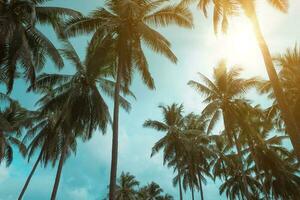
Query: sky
86,175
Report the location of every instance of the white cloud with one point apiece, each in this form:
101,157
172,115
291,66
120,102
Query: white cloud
4,173
79,194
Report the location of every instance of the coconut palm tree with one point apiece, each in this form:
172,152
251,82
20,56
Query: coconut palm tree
222,162
126,187
13,119
154,191
198,152
195,163
130,24
189,177
270,160
165,197
223,10
222,95
289,75
80,90
173,142
142,193
42,137
21,42
236,188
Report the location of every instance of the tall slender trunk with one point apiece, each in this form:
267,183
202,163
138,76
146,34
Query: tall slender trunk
237,145
179,184
200,185
30,175
2,145
289,120
192,189
225,174
239,151
257,170
114,154
59,170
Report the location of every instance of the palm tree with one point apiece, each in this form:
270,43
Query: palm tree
82,89
22,42
223,96
43,137
189,177
13,119
165,197
289,75
222,162
142,193
126,187
236,188
225,9
192,160
129,23
172,143
154,191
198,152
271,161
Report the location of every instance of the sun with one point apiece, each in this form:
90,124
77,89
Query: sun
238,46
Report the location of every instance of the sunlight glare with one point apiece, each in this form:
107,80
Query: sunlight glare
239,47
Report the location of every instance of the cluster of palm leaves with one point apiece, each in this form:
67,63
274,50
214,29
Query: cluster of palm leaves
128,189
72,106
248,156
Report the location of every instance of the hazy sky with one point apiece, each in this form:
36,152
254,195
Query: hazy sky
86,176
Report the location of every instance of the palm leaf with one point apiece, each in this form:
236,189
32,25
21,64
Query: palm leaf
175,14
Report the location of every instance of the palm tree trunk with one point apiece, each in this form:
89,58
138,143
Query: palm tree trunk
179,184
252,149
289,120
30,175
114,156
235,142
239,151
225,174
59,170
192,189
200,185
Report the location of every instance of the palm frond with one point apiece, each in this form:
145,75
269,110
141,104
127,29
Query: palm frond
156,41
281,5
175,14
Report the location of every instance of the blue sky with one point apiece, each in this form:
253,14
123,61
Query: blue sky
85,176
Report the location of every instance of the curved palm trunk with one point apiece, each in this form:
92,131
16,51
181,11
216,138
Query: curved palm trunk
30,175
179,185
200,185
289,120
59,170
114,154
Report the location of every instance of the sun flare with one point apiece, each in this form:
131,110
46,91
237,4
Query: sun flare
238,46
